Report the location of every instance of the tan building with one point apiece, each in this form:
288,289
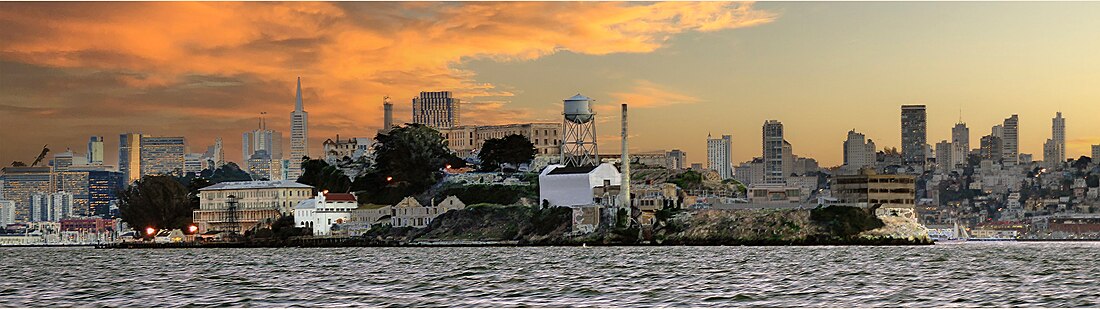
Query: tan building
869,189
467,140
409,212
255,202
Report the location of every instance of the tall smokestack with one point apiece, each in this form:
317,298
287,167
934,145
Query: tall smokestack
387,123
625,185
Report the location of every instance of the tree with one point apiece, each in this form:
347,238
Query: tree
227,172
159,202
512,149
1082,163
321,175
408,160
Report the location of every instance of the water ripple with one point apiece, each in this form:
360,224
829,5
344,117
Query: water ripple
986,274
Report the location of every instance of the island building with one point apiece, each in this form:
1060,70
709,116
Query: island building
351,149
892,193
561,185
324,211
718,155
299,135
241,205
410,213
466,141
914,129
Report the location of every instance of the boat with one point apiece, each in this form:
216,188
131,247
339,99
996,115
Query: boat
957,236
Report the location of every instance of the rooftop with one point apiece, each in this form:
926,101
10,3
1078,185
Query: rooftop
259,184
571,170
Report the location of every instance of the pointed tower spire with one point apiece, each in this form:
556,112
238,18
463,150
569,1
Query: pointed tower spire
298,104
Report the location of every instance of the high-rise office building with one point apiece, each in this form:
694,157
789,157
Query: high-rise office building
7,212
788,160
944,154
103,189
960,144
262,139
51,207
1095,153
19,183
859,152
299,135
914,128
992,148
162,155
436,109
1051,154
129,156
718,155
1058,135
773,152
95,150
1011,140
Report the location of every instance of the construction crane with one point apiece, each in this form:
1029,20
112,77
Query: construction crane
41,155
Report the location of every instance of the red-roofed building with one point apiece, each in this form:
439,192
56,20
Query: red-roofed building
323,211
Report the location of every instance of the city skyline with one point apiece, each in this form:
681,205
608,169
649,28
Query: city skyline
84,78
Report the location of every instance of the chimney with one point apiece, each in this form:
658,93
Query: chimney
625,186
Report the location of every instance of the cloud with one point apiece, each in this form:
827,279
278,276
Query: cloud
646,94
205,69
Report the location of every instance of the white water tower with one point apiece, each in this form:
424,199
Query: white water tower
579,132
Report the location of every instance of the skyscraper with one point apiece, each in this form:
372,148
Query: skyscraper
677,159
129,156
1011,139
436,109
944,154
103,188
1096,153
95,150
1058,134
262,139
773,152
914,128
19,183
162,155
1050,154
992,148
718,155
299,135
859,152
960,144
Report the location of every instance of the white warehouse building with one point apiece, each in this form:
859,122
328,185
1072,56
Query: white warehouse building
560,185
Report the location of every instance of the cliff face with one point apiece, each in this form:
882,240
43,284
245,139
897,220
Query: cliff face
739,226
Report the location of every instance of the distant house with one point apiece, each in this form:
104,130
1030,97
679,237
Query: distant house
409,212
561,185
324,210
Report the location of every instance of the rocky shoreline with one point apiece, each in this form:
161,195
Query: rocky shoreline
496,226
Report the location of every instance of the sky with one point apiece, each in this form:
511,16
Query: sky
688,69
